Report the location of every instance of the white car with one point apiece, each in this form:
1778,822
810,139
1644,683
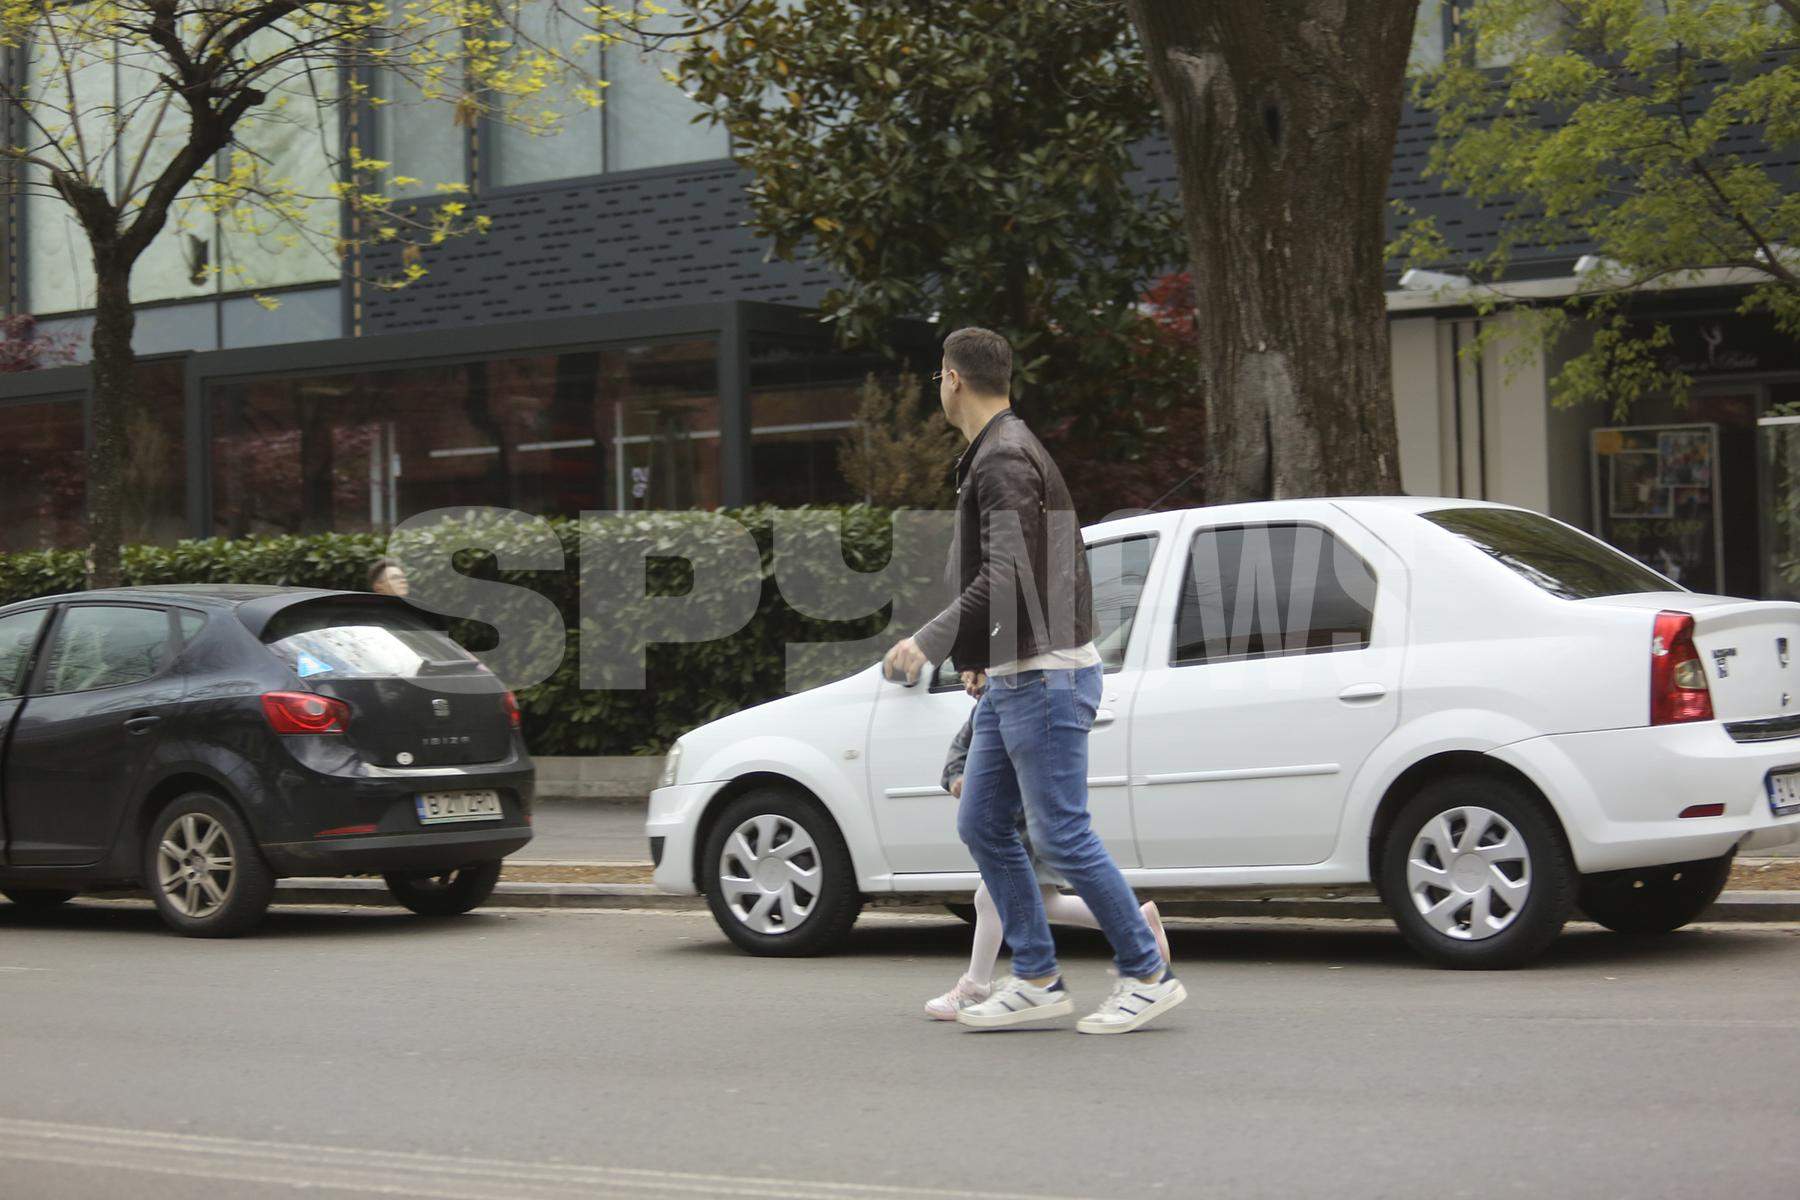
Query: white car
1492,717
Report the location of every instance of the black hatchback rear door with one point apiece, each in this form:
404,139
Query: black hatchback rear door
417,698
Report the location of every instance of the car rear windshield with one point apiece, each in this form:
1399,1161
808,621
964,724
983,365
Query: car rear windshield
353,641
1553,556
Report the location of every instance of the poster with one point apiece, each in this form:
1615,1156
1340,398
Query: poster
1656,498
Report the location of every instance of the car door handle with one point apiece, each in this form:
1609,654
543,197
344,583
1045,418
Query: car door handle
1358,693
140,724
1104,716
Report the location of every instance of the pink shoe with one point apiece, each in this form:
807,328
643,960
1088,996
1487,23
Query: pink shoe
946,1006
1154,918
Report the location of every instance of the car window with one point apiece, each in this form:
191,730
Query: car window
1558,559
1118,569
18,634
100,646
362,641
1254,591
191,623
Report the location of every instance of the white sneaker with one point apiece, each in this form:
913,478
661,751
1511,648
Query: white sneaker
946,1006
1015,1002
1133,1003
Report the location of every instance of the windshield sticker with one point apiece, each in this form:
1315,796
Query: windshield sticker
306,665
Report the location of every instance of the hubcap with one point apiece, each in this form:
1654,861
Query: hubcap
194,865
1469,873
771,874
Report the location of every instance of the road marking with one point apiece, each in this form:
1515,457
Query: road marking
401,1173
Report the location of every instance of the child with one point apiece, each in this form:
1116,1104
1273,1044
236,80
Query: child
976,986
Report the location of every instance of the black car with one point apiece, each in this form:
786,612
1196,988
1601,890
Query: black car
204,741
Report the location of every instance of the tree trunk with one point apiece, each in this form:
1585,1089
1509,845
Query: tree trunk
1283,116
114,376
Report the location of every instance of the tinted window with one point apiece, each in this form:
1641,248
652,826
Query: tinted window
191,623
1550,554
353,641
1260,590
18,634
97,647
1118,570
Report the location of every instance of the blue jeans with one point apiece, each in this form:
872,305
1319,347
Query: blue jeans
1030,751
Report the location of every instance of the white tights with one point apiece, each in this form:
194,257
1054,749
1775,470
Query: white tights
1061,909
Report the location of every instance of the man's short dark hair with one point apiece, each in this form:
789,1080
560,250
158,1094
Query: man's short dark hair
380,567
982,357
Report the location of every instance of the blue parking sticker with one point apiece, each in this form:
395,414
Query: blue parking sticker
308,665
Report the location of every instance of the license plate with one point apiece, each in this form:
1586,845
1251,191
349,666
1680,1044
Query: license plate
437,808
1784,792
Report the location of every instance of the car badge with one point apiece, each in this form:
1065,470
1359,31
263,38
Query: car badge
1781,650
1721,658
441,707
404,758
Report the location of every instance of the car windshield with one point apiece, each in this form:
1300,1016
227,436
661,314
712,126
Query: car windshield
354,641
1558,559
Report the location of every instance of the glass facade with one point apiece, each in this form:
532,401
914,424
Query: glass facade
644,120
620,428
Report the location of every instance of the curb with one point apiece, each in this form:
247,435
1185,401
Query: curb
1743,907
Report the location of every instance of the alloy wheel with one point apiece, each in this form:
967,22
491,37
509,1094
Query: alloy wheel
194,865
1469,873
770,873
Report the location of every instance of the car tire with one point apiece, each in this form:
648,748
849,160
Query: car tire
1477,873
1654,899
814,901
445,893
36,900
199,837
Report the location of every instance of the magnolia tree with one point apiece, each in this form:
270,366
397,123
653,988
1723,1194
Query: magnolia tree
1662,133
142,116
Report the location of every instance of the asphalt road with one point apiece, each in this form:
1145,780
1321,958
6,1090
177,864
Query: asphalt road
551,1055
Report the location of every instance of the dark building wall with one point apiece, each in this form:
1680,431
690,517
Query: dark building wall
680,236
653,239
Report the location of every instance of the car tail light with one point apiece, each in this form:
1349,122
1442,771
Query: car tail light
305,712
1703,810
1678,690
512,709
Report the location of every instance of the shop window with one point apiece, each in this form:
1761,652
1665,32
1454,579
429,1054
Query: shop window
552,434
803,402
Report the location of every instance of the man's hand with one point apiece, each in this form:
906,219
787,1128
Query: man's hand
904,660
974,681
956,787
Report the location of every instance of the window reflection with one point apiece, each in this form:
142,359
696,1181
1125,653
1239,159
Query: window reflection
556,434
43,491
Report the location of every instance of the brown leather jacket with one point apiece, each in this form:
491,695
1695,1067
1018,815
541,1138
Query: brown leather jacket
1017,562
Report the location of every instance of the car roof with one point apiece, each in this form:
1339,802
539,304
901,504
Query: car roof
205,595
254,604
1280,509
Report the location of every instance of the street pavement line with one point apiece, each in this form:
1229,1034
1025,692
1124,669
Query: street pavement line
441,1177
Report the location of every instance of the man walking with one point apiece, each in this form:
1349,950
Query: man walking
1023,613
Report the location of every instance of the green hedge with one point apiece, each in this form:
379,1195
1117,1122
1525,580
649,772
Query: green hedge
687,683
